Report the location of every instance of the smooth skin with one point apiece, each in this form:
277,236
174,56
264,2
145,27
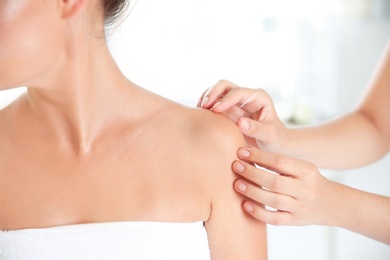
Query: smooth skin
301,195
74,146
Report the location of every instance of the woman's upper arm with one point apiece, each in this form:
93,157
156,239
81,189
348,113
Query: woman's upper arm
232,233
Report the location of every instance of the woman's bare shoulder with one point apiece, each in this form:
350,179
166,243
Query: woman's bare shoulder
206,137
213,128
199,133
212,140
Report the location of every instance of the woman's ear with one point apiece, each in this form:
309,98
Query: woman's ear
68,8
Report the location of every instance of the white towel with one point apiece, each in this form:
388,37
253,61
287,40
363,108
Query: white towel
111,241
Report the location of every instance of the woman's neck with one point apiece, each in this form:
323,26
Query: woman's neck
80,98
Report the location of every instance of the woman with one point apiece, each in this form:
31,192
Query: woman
300,193
74,179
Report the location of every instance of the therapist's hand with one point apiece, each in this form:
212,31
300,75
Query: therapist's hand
256,118
295,188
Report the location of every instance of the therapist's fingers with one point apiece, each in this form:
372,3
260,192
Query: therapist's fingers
277,163
200,101
241,97
277,218
286,184
270,134
283,206
255,129
214,94
274,182
252,100
266,197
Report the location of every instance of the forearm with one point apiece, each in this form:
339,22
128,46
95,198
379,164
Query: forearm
355,139
348,142
361,212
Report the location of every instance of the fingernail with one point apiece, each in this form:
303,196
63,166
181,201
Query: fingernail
199,102
241,186
204,102
248,207
243,153
216,105
238,167
244,125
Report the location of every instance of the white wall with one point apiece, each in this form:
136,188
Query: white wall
179,48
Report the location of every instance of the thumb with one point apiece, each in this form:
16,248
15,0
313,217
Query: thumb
250,128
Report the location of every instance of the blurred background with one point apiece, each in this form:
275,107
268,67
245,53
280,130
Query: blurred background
314,57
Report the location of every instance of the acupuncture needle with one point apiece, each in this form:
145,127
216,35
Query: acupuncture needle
249,99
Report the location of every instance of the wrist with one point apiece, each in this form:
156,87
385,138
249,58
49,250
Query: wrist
289,140
336,207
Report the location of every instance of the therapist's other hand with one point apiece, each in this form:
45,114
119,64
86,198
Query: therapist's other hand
256,118
295,190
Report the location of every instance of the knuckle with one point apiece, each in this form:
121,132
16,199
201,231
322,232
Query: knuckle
254,154
253,126
250,193
278,219
223,82
261,91
308,170
276,183
264,94
280,161
258,213
278,203
310,167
